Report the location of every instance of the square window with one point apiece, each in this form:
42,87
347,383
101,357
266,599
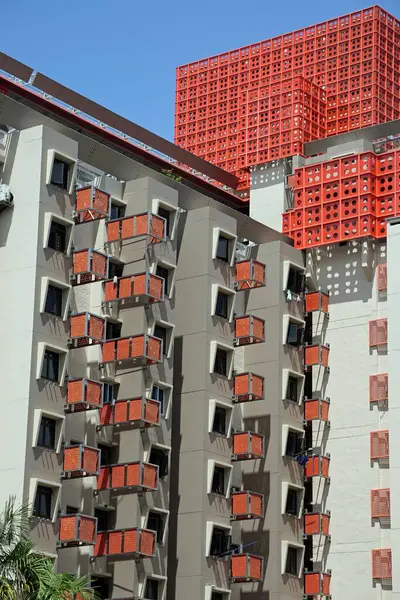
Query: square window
292,502
219,423
115,269
295,334
223,248
291,561
47,433
43,500
59,174
106,455
156,521
292,391
294,443
102,586
295,281
158,393
221,362
103,519
161,332
117,211
218,482
54,300
159,456
220,541
113,330
165,214
151,589
57,237
51,366
221,309
217,596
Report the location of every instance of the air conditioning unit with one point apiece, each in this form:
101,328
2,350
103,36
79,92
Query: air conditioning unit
6,197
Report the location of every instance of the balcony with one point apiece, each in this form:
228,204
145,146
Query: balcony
247,445
83,394
80,461
317,466
317,523
142,288
249,330
126,543
142,225
316,409
247,505
91,204
317,583
135,476
86,329
88,265
248,387
249,274
144,412
246,568
316,354
77,530
316,301
138,350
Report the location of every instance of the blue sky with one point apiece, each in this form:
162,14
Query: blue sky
123,53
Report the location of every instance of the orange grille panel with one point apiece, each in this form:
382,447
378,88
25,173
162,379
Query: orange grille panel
135,409
382,563
378,332
104,478
87,529
378,387
90,460
133,474
379,444
381,274
152,412
380,503
150,475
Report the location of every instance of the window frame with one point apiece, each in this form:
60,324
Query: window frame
56,497
287,321
231,250
47,432
214,346
167,389
216,289
171,268
287,265
53,155
164,513
57,301
286,428
63,361
166,450
210,527
57,230
228,468
69,225
169,335
286,373
162,579
66,290
113,263
112,323
59,429
173,209
49,356
121,206
300,549
284,495
228,407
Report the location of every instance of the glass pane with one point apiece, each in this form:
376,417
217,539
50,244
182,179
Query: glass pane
223,248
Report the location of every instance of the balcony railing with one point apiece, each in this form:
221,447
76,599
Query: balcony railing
316,409
80,461
316,354
86,329
316,301
249,274
249,330
317,583
317,523
143,224
141,288
247,505
140,350
144,412
246,568
247,445
135,476
91,204
248,387
317,466
83,394
89,265
129,543
77,530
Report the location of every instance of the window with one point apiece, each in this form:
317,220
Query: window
117,211
165,214
103,519
42,505
295,334
292,502
217,596
47,433
219,541
109,393
57,236
291,561
223,248
71,510
54,300
218,482
221,362
159,457
221,309
156,522
105,455
292,393
51,365
113,330
157,393
164,273
59,174
161,332
151,589
102,586
294,443
295,281
115,269
219,423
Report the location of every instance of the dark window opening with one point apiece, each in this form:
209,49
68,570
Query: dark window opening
165,214
308,333
106,455
223,248
109,393
54,300
295,334
221,362
292,392
57,236
161,332
115,269
47,433
291,561
219,542
102,586
295,281
113,330
217,596
221,309
308,496
294,444
308,383
218,482
308,440
164,273
219,423
151,591
292,502
51,365
103,519
43,498
71,510
308,553
156,522
59,174
159,457
158,393
117,211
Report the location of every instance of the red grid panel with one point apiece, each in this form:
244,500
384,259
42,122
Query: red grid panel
379,444
382,563
380,503
378,387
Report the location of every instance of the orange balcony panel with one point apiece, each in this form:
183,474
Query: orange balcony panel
316,523
77,530
378,333
143,224
140,288
316,354
139,349
382,563
246,567
89,265
247,505
141,411
140,543
379,388
380,503
317,466
316,409
136,476
317,301
83,394
80,461
379,445
91,204
247,445
249,274
86,329
381,277
248,387
317,584
249,330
